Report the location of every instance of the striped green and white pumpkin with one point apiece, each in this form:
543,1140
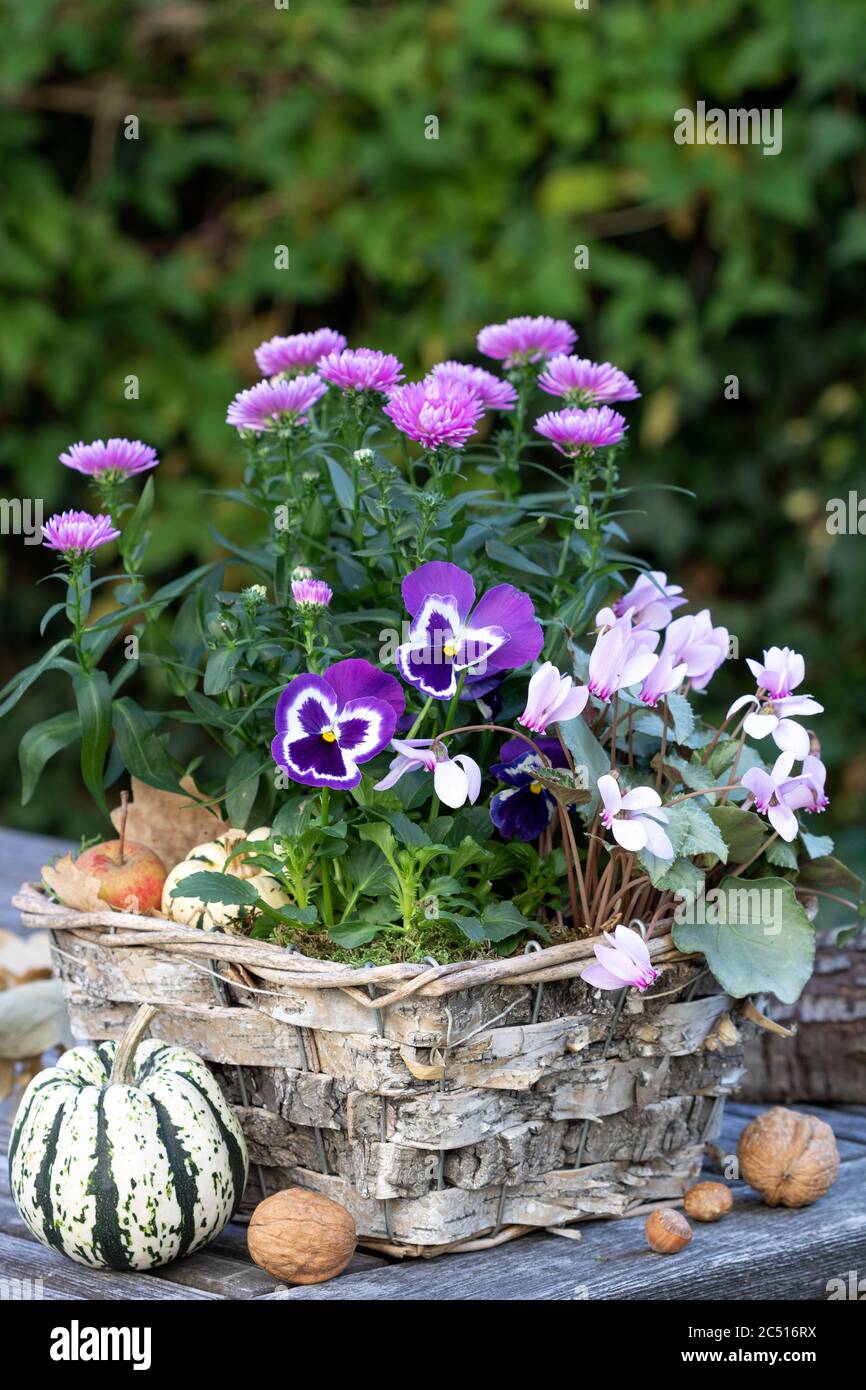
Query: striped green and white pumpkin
126,1155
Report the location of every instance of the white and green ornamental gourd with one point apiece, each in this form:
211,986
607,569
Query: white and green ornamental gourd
126,1155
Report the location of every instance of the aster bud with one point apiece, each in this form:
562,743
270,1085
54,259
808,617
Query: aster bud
301,572
311,594
364,458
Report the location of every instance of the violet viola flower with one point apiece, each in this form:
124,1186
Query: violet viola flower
652,599
118,458
327,725
775,794
361,369
621,657
633,819
311,593
436,414
274,404
526,339
450,633
78,533
624,962
297,353
455,780
664,678
551,698
571,431
783,670
582,382
524,808
495,393
702,647
776,717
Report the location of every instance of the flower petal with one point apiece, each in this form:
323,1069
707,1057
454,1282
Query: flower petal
438,577
608,790
451,783
631,834
599,978
356,679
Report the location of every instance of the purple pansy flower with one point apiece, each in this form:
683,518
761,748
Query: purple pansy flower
782,671
525,808
119,457
77,533
633,818
327,725
361,369
652,600
572,430
436,414
495,393
271,404
694,640
776,794
582,382
455,780
624,962
526,339
297,353
450,633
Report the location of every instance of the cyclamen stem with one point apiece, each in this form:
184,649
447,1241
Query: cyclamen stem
749,862
703,791
663,749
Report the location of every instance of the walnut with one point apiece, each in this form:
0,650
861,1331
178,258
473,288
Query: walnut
301,1237
708,1201
667,1231
789,1158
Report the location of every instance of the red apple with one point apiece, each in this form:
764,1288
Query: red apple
131,875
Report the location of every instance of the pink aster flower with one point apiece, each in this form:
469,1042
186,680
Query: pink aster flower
782,671
120,457
455,780
297,353
436,414
702,647
653,600
776,794
361,369
551,699
270,405
493,391
311,593
526,339
624,962
664,678
633,819
776,717
582,382
572,430
621,657
77,533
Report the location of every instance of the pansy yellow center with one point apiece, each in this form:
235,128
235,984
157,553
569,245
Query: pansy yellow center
535,787
450,649
329,736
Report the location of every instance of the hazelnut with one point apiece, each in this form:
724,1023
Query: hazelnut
667,1231
708,1201
301,1236
789,1158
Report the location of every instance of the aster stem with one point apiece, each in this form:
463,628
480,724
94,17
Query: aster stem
327,904
74,582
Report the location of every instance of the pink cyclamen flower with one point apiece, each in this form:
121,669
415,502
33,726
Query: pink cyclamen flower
495,393
455,780
572,430
526,339
776,795
624,962
311,593
633,819
653,600
77,533
776,717
664,678
702,647
437,414
361,369
582,382
297,353
621,657
810,795
272,404
551,699
119,457
782,671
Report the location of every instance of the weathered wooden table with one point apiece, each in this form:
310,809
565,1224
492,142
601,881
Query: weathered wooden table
755,1253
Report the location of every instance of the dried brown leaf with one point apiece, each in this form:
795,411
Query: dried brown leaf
73,886
24,957
170,823
32,1018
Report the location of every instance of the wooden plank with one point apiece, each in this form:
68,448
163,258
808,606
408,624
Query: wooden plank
64,1279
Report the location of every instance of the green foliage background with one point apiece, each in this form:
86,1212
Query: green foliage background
260,126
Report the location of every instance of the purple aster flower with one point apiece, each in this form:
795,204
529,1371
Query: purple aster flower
455,780
297,353
436,414
328,724
633,819
551,699
572,430
77,533
269,405
311,593
525,808
582,382
526,339
694,640
120,457
492,390
624,963
776,795
652,599
448,635
361,369
782,671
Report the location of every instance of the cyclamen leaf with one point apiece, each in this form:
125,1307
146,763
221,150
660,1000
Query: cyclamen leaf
828,873
816,846
742,831
781,855
679,876
692,831
590,759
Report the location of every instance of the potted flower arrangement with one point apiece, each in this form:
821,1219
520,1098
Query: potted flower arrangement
486,897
